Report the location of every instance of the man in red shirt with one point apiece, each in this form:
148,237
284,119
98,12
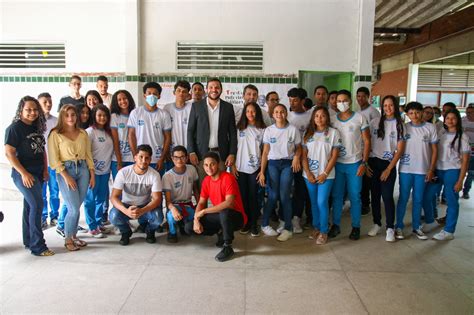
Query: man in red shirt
227,215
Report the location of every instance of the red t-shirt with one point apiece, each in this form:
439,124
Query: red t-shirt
216,190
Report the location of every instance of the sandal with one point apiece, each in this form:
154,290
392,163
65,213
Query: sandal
46,253
79,243
71,246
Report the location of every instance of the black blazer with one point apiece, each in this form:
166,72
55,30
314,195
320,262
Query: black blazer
199,132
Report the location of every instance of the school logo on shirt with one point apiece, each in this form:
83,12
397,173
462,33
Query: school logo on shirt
327,139
387,155
291,139
405,159
141,122
342,151
124,147
157,125
302,129
121,125
351,128
241,134
310,140
273,140
393,134
375,132
185,120
177,185
158,151
99,165
171,118
426,138
313,165
407,136
101,139
253,161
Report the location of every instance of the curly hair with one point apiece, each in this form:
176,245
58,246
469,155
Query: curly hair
40,122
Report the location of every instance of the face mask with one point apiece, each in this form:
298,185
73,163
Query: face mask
343,106
151,100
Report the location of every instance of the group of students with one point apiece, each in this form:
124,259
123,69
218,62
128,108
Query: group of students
308,157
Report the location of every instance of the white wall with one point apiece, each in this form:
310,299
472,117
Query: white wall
297,35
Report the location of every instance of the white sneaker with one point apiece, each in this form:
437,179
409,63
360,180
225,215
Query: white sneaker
285,236
443,236
297,229
399,234
281,227
428,227
269,231
390,236
419,233
374,230
97,233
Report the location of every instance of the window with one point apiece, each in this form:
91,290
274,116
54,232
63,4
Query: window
427,98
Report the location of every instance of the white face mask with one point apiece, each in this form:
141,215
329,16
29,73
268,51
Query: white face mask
343,106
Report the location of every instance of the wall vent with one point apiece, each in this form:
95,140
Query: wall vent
32,55
212,56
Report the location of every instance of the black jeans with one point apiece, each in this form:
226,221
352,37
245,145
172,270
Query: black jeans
365,192
301,198
228,220
382,189
248,187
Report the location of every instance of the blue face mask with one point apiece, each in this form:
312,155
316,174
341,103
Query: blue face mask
151,100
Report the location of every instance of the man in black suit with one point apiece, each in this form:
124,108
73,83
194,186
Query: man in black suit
211,127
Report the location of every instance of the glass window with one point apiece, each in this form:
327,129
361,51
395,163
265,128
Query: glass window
427,98
456,98
469,98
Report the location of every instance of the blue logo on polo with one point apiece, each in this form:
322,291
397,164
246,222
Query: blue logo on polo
273,140
310,140
171,118
405,159
407,136
313,165
387,155
177,185
375,132
124,147
141,122
342,151
253,161
185,120
99,165
393,134
101,139
121,125
241,134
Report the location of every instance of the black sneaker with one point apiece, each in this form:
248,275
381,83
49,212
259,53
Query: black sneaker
255,231
225,254
172,238
125,239
60,232
150,237
465,195
220,240
80,229
334,231
355,234
245,230
365,210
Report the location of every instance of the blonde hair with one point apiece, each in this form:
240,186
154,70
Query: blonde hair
60,126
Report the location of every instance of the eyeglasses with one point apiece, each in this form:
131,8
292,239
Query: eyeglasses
183,157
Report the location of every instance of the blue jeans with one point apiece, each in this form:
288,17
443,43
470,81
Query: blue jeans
448,178
319,196
279,183
346,177
52,184
114,170
151,220
172,222
408,182
62,215
33,237
74,198
470,176
95,201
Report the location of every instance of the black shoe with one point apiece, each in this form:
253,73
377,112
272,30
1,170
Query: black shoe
172,238
245,230
182,230
465,195
255,231
160,229
150,237
125,239
334,231
60,232
355,234
225,254
365,210
443,201
220,240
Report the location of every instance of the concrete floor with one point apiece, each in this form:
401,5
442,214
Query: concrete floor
297,277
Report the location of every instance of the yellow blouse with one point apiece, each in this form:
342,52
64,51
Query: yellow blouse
61,149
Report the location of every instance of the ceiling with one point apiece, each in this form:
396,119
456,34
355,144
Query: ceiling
414,13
